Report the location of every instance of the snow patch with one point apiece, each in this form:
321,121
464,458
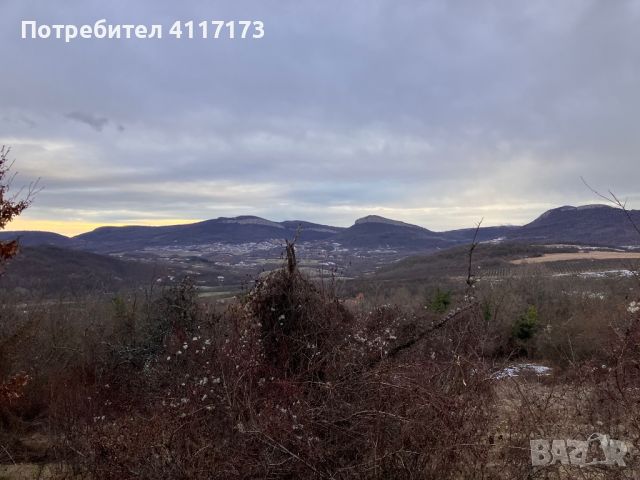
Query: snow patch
521,368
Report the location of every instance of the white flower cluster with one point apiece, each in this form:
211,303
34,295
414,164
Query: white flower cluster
634,307
379,343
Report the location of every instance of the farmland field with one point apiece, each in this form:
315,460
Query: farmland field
590,255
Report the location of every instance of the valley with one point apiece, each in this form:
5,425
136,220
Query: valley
225,256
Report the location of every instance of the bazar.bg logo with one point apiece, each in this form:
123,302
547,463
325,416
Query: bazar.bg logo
598,449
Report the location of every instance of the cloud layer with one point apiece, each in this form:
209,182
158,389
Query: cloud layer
431,112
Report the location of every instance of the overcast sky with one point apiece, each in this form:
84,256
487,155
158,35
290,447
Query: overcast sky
431,112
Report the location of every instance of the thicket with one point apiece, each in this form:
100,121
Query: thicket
286,383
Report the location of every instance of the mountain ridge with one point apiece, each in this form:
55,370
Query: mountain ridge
595,223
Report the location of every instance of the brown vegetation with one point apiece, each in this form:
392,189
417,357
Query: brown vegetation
287,382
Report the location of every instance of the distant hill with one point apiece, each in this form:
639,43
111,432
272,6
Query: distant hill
504,260
379,232
454,261
311,231
49,269
31,238
590,224
242,229
485,234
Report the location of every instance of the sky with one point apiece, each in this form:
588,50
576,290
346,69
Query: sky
433,112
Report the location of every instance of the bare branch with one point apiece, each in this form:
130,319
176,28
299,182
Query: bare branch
471,280
616,202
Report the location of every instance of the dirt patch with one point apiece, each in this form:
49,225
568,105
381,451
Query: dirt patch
594,255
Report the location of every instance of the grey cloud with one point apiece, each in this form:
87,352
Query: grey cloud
95,122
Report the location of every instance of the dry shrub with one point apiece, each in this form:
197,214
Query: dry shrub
615,396
296,325
289,384
80,354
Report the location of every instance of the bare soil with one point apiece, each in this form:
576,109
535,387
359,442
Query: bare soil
593,255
